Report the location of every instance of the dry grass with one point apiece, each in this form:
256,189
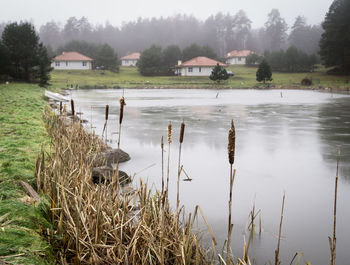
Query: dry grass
102,224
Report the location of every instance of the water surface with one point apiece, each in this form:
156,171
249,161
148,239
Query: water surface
286,142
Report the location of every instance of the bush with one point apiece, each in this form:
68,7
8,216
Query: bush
306,82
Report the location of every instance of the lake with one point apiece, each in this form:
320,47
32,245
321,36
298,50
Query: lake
286,142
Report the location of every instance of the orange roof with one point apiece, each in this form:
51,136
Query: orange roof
242,53
201,61
133,56
72,56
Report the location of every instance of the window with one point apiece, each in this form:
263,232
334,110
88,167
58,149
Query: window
57,63
200,69
126,61
84,64
66,63
190,69
239,59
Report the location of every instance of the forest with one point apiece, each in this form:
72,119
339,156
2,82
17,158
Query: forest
222,32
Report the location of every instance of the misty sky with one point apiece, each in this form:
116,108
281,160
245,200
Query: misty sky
117,11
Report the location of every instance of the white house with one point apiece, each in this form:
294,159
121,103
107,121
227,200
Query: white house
131,59
71,61
237,57
199,66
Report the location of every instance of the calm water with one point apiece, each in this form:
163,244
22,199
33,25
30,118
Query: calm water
284,143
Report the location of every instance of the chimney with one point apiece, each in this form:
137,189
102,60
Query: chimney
179,62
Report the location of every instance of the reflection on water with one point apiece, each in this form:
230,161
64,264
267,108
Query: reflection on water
284,144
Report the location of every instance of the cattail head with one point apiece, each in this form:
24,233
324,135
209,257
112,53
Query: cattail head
121,113
162,143
231,143
72,106
107,110
61,107
170,127
182,131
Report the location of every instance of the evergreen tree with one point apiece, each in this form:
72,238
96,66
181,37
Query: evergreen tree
25,52
335,41
264,72
4,60
107,58
275,31
44,66
171,55
151,61
218,74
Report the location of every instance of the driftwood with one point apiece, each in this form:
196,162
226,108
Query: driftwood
30,191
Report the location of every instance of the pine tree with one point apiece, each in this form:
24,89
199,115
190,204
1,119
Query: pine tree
335,41
218,73
264,72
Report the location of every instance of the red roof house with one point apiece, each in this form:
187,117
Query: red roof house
199,66
237,57
72,61
131,59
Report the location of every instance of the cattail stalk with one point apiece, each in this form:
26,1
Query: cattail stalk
277,251
72,107
162,147
181,139
106,120
169,144
61,107
333,241
231,158
121,114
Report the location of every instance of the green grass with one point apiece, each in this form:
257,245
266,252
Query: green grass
244,77
21,134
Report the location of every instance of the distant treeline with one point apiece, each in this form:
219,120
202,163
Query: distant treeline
222,32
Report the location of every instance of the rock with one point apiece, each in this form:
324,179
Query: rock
108,158
106,173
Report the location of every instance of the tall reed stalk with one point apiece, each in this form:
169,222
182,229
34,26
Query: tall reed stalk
277,251
181,139
121,115
162,147
231,158
168,164
72,107
333,240
106,120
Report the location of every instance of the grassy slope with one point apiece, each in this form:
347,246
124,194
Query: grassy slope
21,134
244,77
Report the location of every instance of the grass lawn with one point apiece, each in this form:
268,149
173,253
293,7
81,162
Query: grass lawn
21,134
129,77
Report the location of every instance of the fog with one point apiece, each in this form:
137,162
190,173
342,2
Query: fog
117,12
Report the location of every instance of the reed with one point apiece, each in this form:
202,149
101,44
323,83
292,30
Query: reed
97,226
168,164
106,120
72,107
162,147
121,115
277,251
333,240
181,139
231,158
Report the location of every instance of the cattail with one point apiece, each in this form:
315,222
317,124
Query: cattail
182,131
122,103
231,143
61,107
107,110
72,106
170,133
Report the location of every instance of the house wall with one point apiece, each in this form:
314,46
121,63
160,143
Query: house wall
129,62
203,71
71,65
236,60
